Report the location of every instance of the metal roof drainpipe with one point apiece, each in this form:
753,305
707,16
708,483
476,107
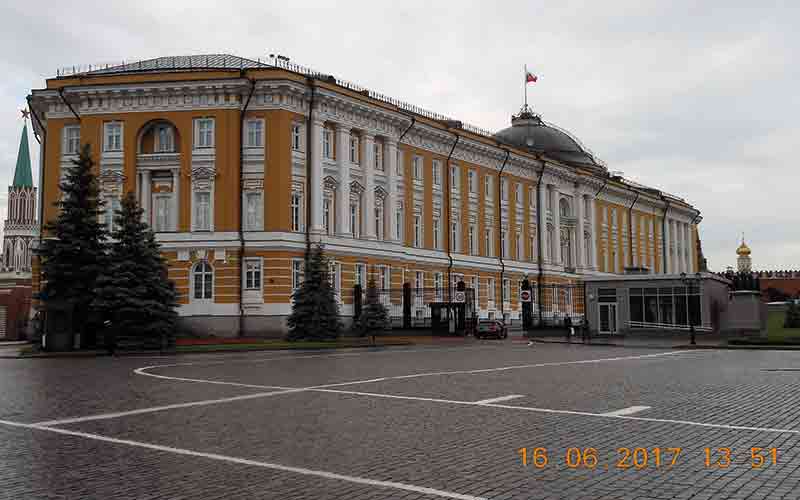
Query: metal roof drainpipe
664,234
413,121
500,232
42,163
241,208
61,95
630,230
449,190
313,88
539,236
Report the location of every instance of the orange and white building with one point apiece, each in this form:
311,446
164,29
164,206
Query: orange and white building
235,160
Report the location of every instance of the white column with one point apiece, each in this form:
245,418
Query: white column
176,198
556,259
593,235
368,167
541,222
667,243
343,191
389,208
146,196
315,182
687,248
580,264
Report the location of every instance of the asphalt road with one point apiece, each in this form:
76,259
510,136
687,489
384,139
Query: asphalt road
417,422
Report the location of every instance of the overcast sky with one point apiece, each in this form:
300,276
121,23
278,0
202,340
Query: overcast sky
696,98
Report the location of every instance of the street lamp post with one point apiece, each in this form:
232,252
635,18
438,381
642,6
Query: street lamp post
688,281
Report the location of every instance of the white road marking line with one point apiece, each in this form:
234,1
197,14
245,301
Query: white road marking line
152,409
500,399
255,463
627,411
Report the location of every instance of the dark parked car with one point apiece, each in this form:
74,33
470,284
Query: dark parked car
492,328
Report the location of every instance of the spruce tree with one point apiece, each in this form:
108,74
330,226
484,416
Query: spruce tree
374,317
73,251
134,293
315,310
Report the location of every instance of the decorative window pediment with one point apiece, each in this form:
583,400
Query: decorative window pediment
356,188
203,176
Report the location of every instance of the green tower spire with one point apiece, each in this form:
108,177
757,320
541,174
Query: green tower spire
22,174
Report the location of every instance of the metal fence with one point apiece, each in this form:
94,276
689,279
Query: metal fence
552,304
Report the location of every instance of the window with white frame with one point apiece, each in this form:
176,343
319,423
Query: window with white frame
472,184
297,211
454,178
335,277
437,173
161,212
417,167
503,243
360,275
355,217
203,281
202,210
252,274
255,133
204,133
506,290
503,190
419,280
438,285
327,143
378,154
436,232
353,149
454,246
519,245
487,242
165,138
417,231
113,137
297,273
253,209
473,241
297,136
518,193
531,197
111,208
399,164
384,277
327,215
532,249
72,139
473,283
398,214
490,289
379,220
487,187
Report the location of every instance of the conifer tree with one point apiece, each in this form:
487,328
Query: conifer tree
73,250
315,310
374,316
134,293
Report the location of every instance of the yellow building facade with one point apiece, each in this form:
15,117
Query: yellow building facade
236,161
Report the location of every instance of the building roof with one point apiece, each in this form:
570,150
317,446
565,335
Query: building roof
529,131
181,63
22,173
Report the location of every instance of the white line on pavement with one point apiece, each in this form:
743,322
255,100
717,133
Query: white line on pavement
627,411
500,399
255,463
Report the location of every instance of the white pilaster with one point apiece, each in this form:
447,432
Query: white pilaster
580,263
390,207
176,198
687,248
668,246
146,184
343,191
541,223
315,182
592,233
368,167
556,259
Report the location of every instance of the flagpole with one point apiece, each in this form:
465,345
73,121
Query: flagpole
525,84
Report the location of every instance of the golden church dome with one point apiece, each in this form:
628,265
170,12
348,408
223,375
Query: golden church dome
743,249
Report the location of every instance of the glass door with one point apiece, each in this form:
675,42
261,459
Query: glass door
608,318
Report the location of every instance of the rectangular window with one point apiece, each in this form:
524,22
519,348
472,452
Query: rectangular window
438,285
255,133
487,242
384,277
417,231
437,173
503,243
297,273
472,240
419,280
252,278
454,246
111,213
327,215
518,193
503,190
417,163
353,149
471,175
355,219
205,133
327,143
297,211
379,223
487,187
490,289
161,217
519,245
398,214
252,207
378,150
436,229
473,283
165,142
113,137
360,276
506,290
454,178
532,250
72,139
296,137
531,197
202,213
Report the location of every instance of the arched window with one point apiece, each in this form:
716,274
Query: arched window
203,277
564,208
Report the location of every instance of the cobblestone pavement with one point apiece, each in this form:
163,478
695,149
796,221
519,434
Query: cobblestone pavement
415,422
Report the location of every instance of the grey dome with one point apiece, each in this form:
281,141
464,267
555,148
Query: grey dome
528,131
